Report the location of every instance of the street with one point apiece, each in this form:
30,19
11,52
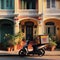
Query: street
29,58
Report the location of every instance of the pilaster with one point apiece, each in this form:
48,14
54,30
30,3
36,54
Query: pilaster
16,6
16,27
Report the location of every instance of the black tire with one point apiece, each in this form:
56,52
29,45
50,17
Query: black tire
41,52
22,52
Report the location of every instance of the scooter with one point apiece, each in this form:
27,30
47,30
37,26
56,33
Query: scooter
37,49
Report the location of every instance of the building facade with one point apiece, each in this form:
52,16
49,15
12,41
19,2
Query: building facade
51,17
32,17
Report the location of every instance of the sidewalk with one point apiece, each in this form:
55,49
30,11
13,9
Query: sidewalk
52,53
47,53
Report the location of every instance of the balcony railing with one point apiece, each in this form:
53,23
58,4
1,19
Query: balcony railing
4,12
28,12
52,12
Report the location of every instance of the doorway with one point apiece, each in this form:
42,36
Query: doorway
29,30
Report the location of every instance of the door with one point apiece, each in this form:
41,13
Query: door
29,31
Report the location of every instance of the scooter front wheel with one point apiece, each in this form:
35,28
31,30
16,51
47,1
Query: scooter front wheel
41,52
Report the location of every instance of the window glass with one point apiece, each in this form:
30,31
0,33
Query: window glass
33,4
53,3
48,3
7,4
48,30
2,4
28,4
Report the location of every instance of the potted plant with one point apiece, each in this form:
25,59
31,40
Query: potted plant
17,39
12,44
52,44
5,42
11,41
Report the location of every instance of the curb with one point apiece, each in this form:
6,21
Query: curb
52,53
15,53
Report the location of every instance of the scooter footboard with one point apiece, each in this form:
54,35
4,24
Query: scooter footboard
43,46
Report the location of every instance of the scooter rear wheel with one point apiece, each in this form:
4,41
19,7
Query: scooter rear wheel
22,53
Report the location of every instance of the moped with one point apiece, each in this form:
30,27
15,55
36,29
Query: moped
37,49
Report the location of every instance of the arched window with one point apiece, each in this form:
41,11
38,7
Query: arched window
49,23
50,28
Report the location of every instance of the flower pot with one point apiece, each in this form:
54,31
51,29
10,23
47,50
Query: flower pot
9,49
53,48
15,47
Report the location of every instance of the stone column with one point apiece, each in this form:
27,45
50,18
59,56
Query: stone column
40,6
40,28
16,27
40,12
16,6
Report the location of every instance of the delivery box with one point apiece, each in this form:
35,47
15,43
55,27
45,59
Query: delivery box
44,39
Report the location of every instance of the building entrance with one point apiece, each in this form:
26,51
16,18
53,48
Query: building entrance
29,30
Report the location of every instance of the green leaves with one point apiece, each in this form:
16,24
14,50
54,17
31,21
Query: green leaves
13,39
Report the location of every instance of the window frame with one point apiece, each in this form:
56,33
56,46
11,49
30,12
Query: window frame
7,5
51,5
25,4
50,28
